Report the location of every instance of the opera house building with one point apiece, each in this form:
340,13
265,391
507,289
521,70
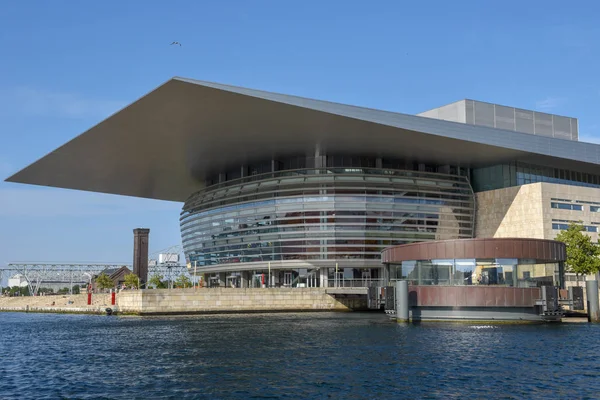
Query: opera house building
309,193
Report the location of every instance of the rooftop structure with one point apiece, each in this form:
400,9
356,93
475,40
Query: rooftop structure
479,113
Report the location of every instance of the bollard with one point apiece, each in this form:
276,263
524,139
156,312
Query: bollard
402,301
89,298
113,297
591,290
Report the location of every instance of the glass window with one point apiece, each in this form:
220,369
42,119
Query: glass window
409,272
435,272
463,273
259,168
501,272
235,173
532,274
567,206
498,176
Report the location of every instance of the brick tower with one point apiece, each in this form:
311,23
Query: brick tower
140,253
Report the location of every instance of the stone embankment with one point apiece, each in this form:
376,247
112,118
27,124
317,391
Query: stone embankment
56,304
228,300
190,301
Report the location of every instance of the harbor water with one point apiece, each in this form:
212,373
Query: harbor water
323,355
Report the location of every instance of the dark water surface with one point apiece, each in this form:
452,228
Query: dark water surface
291,356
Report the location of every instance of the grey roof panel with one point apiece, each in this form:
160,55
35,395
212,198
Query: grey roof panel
580,151
163,145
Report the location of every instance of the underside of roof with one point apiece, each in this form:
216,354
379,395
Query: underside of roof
165,144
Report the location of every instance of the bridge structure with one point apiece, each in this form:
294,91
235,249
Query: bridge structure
36,273
69,273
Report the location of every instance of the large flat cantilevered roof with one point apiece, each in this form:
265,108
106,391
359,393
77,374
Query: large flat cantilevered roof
165,144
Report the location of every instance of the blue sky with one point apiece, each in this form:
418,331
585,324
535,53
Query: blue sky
66,65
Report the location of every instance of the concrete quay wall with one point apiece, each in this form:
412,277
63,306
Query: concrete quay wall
76,303
56,310
229,300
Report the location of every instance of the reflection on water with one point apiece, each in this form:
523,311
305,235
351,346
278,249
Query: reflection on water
291,356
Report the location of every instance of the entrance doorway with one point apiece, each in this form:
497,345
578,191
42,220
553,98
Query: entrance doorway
288,278
234,281
366,278
259,280
213,281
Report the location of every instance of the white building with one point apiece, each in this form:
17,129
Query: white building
17,280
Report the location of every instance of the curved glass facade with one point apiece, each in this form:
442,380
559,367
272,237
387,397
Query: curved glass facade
323,214
500,272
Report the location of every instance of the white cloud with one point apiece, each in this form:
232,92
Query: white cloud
549,103
39,203
41,103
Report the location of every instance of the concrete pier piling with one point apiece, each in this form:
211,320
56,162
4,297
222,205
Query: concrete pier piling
402,301
591,289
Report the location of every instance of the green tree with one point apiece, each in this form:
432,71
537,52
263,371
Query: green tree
183,281
104,282
132,280
76,289
583,256
19,291
157,282
64,290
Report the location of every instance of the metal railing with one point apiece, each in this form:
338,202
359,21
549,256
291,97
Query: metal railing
354,283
